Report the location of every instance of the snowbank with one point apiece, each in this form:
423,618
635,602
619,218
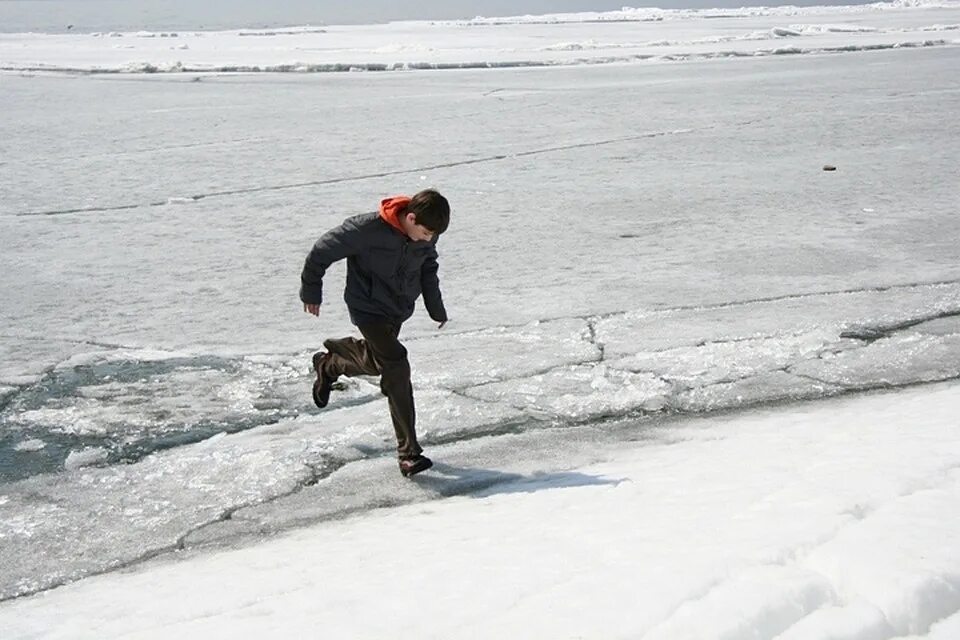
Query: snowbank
837,519
626,36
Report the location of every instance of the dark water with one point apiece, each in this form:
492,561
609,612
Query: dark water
136,385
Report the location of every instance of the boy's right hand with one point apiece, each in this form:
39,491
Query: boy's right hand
313,309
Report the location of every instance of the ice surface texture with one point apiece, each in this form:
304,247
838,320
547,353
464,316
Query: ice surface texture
628,36
826,520
621,248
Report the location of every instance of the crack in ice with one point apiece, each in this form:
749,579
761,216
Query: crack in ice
368,176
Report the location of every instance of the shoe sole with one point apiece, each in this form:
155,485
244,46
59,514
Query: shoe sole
417,468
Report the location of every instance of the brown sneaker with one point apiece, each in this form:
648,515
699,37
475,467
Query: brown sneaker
414,464
323,384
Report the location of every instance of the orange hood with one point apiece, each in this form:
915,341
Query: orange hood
391,209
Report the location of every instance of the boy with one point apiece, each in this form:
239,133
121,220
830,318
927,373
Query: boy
391,259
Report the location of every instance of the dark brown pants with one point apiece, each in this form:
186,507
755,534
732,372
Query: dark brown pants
380,354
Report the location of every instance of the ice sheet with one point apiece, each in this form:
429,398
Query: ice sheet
630,35
627,240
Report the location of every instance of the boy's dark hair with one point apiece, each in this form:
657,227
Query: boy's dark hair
431,210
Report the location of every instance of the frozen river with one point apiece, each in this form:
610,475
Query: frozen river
629,240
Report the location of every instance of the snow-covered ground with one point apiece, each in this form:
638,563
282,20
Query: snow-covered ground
837,519
640,255
629,35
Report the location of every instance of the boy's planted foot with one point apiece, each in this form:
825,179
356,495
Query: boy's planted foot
412,465
323,383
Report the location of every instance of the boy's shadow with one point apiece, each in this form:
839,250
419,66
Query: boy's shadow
448,480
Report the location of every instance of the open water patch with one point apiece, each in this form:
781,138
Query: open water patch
119,411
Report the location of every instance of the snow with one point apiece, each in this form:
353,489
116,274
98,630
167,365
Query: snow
85,458
30,445
693,385
629,35
836,519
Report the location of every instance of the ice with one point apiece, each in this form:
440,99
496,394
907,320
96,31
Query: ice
790,323
940,327
800,523
736,358
190,489
630,35
894,361
85,458
184,323
774,386
5,393
93,519
139,401
30,445
631,243
645,14
578,393
502,352
721,361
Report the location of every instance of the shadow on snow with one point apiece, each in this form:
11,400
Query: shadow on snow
448,480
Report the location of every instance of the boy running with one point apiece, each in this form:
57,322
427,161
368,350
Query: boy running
391,259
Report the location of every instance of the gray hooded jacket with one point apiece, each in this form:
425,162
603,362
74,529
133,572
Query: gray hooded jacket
386,271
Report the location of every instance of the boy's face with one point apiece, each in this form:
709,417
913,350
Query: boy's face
414,231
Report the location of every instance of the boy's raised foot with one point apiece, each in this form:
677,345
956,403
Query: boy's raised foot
323,384
412,465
